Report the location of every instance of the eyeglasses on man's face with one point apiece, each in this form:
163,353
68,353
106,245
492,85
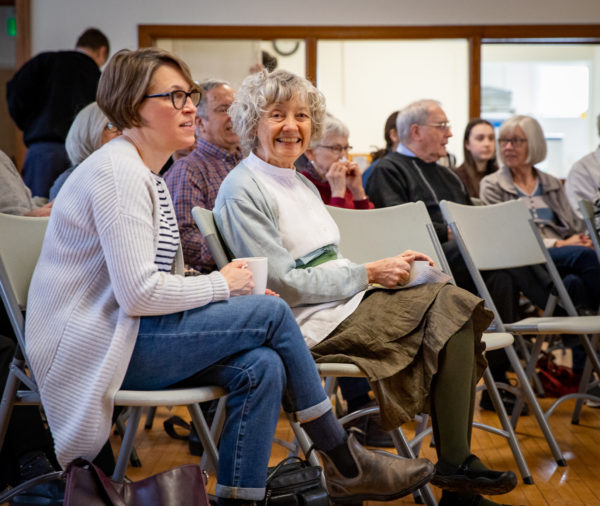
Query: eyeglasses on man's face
442,125
515,141
337,148
179,97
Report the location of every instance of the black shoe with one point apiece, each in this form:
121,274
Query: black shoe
470,481
508,399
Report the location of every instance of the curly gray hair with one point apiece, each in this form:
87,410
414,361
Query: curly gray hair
262,89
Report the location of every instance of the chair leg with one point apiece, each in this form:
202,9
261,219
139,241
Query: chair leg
506,425
534,405
404,449
127,443
150,418
9,396
204,433
134,459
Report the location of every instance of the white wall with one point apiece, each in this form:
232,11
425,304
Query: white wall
56,23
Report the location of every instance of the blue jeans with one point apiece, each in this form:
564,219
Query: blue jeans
251,346
580,271
44,162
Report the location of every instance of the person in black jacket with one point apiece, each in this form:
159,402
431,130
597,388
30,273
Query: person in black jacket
44,97
411,173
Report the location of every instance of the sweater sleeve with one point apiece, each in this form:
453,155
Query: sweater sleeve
490,192
249,229
125,212
386,187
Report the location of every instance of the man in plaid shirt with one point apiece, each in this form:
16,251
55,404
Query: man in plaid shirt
195,179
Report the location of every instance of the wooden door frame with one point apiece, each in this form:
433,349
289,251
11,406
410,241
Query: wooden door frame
475,35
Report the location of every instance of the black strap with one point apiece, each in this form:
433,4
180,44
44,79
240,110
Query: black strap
38,480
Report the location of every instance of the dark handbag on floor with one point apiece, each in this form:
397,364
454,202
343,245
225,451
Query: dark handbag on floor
89,486
557,380
295,482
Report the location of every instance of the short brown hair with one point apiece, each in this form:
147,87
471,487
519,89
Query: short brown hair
126,79
94,39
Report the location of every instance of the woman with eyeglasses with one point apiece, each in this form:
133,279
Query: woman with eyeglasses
109,308
522,145
325,164
89,131
420,347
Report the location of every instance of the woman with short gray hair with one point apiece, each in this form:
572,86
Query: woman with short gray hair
325,164
420,347
522,145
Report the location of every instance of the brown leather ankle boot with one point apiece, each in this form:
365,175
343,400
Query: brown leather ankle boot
382,476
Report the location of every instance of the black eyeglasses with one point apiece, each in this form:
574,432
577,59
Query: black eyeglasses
179,97
337,148
515,141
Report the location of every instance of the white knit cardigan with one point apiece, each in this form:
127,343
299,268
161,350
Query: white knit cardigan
95,277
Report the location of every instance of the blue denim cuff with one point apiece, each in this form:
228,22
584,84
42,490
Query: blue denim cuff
308,414
250,494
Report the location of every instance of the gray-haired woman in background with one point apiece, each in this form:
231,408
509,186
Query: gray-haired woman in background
89,131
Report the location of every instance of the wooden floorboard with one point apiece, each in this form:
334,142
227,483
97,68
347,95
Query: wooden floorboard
575,484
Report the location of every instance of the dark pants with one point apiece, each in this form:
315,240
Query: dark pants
44,162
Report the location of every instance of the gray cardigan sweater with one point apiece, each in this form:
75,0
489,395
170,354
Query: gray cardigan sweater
95,278
248,221
499,187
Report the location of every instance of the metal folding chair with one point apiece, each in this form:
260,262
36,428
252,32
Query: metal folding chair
505,236
19,250
378,233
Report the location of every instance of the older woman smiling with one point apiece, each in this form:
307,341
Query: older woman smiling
420,346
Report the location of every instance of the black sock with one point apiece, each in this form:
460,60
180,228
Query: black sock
330,437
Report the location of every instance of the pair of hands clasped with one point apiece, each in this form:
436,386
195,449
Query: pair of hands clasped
342,175
239,279
575,240
394,271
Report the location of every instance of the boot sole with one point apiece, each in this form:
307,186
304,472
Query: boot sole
379,497
482,486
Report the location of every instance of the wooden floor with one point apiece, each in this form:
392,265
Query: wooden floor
576,484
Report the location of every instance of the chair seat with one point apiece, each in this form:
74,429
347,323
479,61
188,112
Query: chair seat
168,397
334,370
556,325
497,340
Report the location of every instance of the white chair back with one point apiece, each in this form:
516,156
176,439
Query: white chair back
373,234
20,246
498,236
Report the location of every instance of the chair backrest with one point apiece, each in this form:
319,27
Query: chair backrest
206,223
590,215
500,236
493,233
369,235
20,246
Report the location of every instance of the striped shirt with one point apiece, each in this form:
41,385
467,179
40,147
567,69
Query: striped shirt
168,233
542,215
195,181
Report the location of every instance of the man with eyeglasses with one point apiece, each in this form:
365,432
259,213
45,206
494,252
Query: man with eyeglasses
43,98
195,179
412,173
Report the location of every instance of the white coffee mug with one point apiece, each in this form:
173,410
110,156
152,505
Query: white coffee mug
259,268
